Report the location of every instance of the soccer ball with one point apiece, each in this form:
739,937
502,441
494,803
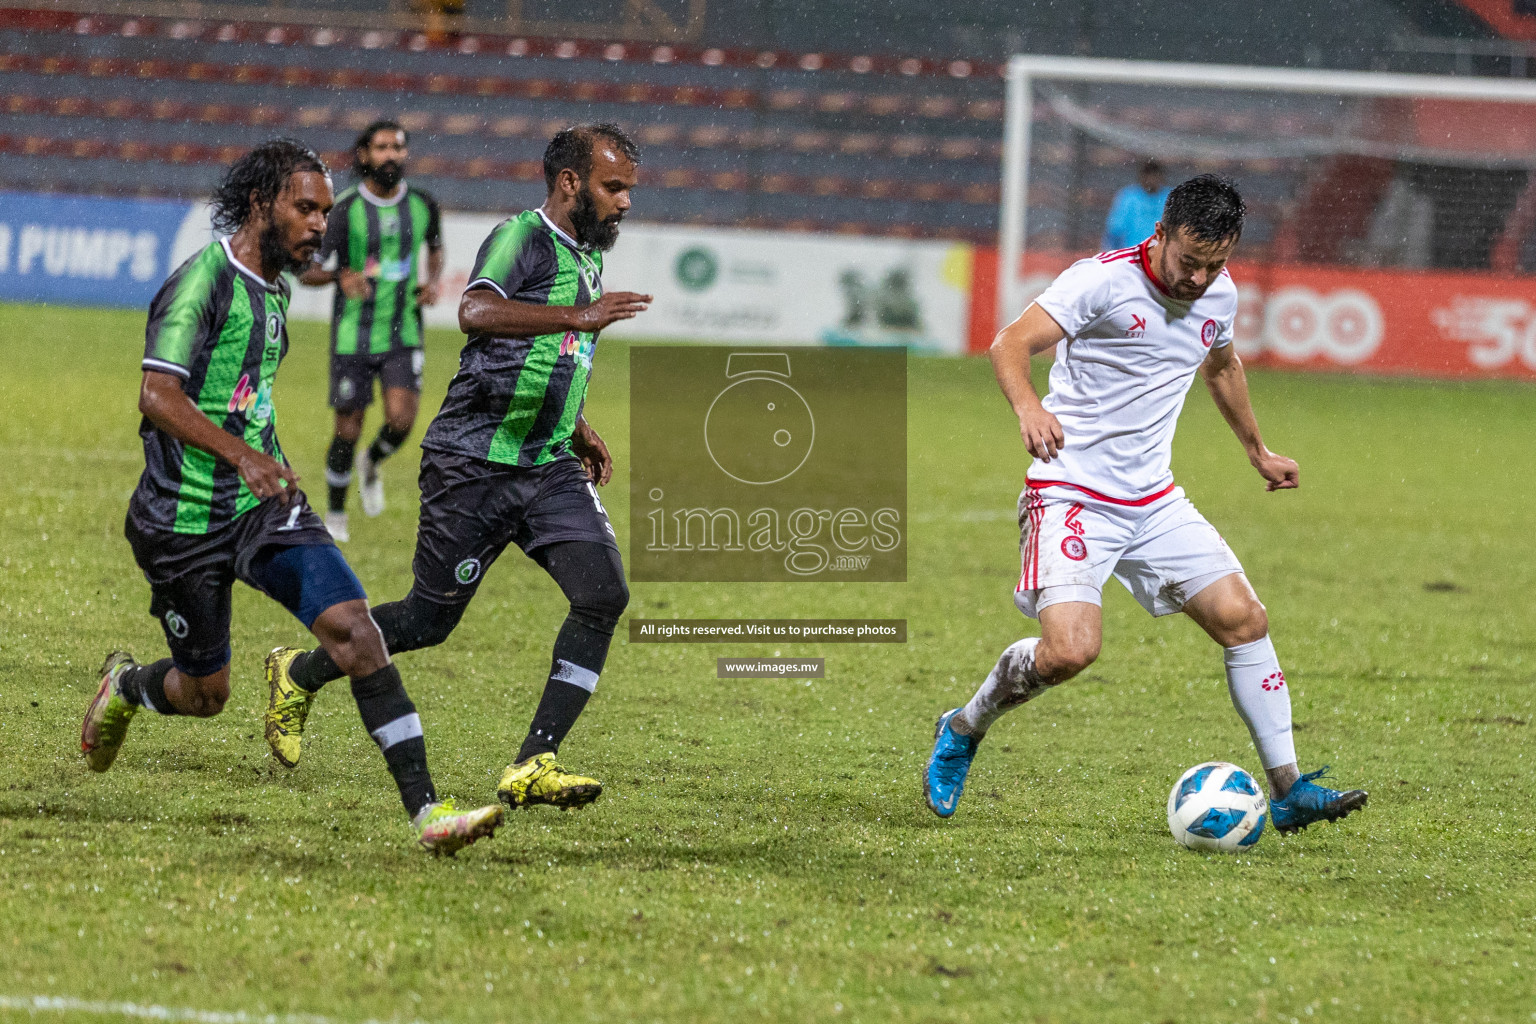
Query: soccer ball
1216,806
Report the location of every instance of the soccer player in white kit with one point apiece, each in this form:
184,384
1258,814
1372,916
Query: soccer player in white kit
1131,329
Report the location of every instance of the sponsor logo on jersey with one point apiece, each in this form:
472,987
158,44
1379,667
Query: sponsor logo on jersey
467,571
573,344
244,396
254,403
387,270
1138,327
1074,548
1208,333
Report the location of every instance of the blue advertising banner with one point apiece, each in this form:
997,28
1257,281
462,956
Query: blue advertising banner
85,250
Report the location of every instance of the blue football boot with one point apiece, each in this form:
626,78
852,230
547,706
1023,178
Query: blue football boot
1308,802
944,779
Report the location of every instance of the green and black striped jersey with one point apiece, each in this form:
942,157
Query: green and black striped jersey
220,328
380,239
516,400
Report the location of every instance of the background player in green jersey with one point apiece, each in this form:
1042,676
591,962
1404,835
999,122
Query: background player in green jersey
218,501
510,458
374,239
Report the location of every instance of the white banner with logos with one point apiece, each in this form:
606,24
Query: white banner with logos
717,284
724,285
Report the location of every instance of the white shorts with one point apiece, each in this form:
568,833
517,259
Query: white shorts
1071,543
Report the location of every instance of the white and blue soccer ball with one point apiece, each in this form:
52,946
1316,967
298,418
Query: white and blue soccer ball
1217,806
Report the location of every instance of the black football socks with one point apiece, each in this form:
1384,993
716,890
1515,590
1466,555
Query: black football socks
592,579
144,685
391,719
338,471
387,443
569,687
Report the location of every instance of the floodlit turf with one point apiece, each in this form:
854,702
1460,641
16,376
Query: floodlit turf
761,851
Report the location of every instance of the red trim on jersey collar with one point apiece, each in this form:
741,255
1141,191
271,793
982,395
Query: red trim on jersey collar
1117,254
1146,266
1137,503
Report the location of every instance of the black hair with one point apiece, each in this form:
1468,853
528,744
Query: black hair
257,178
365,139
571,148
1208,206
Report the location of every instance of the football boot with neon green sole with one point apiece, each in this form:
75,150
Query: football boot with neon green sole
288,706
539,780
106,720
443,828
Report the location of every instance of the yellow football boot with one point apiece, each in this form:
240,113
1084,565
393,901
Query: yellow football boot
539,780
443,828
288,706
106,720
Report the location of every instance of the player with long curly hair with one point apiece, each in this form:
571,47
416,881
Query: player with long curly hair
218,501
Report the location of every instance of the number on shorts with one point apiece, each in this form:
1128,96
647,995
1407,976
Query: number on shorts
293,517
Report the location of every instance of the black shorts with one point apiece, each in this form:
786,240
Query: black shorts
352,376
191,575
472,509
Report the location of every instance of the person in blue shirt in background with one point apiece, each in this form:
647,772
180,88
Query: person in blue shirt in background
1137,208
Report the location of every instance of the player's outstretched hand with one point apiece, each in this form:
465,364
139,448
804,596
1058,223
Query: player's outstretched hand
265,476
592,452
1041,433
611,308
427,294
353,285
1279,472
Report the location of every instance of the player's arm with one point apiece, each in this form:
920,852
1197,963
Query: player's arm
1228,384
592,452
514,261
1032,333
431,288
428,292
167,406
482,310
354,285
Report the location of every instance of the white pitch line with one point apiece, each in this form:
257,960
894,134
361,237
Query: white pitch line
66,1004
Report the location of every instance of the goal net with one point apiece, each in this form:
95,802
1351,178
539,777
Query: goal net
1362,179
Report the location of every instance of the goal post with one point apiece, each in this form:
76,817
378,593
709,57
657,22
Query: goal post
1331,112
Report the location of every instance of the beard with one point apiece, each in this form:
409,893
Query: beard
599,234
387,175
275,253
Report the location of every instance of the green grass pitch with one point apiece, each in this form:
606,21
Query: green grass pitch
761,851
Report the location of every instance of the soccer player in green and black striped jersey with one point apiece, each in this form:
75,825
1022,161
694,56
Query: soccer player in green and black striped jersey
510,459
372,251
218,501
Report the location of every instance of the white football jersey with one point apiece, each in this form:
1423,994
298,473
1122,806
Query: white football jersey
1121,373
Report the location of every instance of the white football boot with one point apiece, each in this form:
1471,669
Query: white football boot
336,522
370,486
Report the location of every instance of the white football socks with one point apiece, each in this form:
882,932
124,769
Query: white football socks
1012,681
1262,699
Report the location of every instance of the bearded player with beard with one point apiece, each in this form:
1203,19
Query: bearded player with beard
218,501
372,247
511,459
